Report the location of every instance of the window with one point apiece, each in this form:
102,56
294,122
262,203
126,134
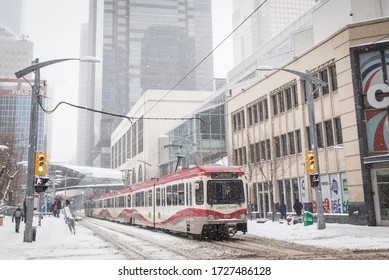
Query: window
199,193
255,113
129,201
288,95
274,102
263,150
252,153
329,133
250,115
268,149
265,109
338,131
281,101
324,78
175,195
292,150
158,197
319,132
261,111
334,80
169,198
284,144
181,194
295,95
277,146
298,140
257,152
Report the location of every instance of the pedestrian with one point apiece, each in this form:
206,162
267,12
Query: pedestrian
18,216
283,210
297,206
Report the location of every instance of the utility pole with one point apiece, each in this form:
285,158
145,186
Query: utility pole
29,200
33,136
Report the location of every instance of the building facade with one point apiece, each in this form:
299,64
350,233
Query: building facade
270,133
136,145
144,45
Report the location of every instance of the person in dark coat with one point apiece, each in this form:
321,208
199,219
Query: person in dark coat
18,217
283,210
297,206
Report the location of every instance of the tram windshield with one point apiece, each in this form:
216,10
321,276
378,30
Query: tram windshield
225,192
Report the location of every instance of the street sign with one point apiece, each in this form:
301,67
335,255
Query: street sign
315,179
40,184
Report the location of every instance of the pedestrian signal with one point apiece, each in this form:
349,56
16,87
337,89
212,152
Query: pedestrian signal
310,161
40,163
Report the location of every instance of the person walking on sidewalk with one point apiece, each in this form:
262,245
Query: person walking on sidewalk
18,216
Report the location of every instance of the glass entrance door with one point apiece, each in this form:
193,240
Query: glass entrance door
381,195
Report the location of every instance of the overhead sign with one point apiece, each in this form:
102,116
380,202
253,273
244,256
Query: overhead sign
15,87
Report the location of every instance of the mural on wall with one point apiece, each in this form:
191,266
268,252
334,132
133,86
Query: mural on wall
373,69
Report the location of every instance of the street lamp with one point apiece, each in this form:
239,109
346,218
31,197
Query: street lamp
29,200
312,131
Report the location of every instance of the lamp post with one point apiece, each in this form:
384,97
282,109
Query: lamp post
312,131
29,200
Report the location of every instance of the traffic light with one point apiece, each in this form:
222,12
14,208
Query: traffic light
40,163
310,161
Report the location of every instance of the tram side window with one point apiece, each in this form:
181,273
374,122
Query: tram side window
190,195
139,199
169,195
181,194
199,186
163,197
129,200
150,197
121,201
174,195
158,197
146,198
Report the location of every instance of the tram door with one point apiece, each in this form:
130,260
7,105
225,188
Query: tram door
381,195
189,205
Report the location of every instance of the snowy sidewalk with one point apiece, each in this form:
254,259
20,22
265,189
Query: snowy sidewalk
53,241
334,236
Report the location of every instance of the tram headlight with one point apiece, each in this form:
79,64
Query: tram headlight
211,217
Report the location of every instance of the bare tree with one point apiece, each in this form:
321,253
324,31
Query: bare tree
269,166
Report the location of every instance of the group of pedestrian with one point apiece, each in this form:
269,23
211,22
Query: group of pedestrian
297,206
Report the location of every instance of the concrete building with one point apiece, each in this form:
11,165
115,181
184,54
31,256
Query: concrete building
135,145
269,130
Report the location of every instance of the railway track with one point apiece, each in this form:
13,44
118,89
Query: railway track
148,244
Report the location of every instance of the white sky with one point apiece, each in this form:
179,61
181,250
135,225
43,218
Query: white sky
54,28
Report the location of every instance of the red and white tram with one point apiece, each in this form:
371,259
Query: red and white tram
204,201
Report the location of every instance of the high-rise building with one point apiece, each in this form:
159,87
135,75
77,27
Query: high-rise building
15,95
143,45
270,18
11,15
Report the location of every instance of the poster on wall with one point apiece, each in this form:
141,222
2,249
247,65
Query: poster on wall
373,67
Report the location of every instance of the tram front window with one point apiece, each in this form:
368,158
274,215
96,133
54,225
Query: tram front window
225,192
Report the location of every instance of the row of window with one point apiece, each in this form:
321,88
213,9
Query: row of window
129,145
172,195
290,143
283,99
